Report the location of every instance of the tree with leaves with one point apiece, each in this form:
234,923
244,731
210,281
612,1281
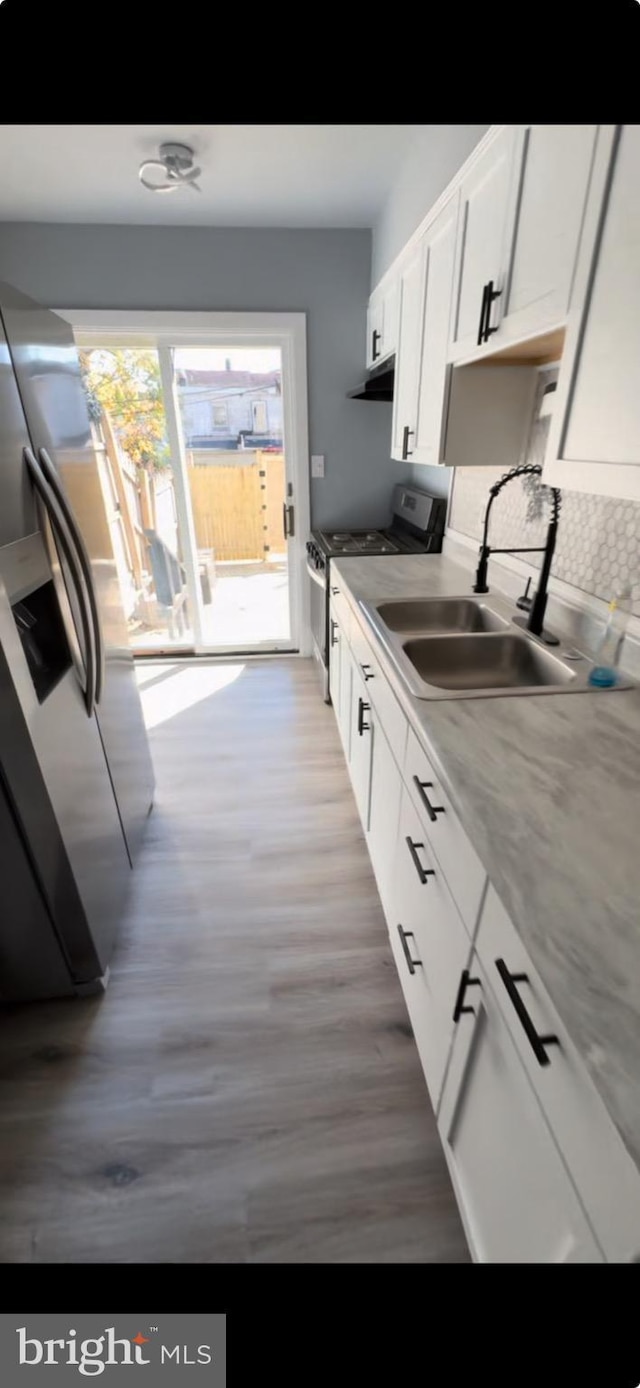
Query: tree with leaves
125,382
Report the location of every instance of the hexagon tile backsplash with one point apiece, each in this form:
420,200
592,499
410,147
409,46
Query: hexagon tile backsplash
598,544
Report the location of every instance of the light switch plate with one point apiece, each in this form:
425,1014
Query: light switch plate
317,464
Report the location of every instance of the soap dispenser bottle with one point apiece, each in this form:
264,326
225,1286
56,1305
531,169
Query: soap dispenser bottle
605,671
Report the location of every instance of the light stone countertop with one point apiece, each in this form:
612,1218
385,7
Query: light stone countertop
547,788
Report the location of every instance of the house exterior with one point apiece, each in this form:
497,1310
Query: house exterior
230,409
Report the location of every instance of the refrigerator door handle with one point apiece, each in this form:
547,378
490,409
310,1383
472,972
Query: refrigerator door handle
64,541
55,484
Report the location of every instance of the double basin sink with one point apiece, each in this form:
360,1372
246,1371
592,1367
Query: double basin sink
462,648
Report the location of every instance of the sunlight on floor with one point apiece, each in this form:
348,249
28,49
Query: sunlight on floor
167,689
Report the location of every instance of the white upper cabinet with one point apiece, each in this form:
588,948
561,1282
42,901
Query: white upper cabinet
375,320
405,395
594,439
552,169
484,197
382,322
439,262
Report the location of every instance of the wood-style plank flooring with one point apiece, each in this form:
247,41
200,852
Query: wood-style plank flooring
248,1089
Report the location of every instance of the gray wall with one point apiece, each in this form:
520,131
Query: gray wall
323,273
431,161
436,480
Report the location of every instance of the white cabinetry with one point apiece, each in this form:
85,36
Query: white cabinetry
382,322
430,944
522,212
484,198
340,677
405,392
516,1197
602,1171
384,809
539,1169
552,170
594,440
361,741
433,372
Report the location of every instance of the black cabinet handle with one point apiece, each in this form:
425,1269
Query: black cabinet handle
412,964
491,295
362,709
375,338
483,309
423,873
334,628
466,981
432,810
536,1041
367,672
335,592
406,435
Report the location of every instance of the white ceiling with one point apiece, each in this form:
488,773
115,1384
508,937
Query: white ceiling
252,175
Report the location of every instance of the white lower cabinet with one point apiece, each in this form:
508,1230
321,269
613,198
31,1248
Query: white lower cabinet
430,944
606,1178
516,1198
540,1171
384,809
340,678
361,741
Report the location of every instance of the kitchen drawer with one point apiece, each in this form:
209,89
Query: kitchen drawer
380,693
341,608
604,1174
460,863
433,934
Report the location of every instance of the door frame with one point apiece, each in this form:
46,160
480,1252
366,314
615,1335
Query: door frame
174,328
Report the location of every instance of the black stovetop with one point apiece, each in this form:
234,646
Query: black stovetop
393,540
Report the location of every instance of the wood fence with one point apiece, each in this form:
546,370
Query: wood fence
237,503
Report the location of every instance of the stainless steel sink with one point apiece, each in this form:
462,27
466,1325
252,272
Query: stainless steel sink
439,615
488,661
466,648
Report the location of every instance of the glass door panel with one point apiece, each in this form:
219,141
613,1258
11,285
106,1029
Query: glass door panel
231,413
138,482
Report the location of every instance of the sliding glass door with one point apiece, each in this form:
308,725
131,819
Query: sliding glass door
230,405
198,488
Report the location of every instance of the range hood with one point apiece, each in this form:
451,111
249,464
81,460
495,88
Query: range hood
377,385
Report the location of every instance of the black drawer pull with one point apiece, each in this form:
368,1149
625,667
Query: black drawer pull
367,672
362,709
406,435
335,591
466,981
423,873
483,309
422,788
375,338
412,964
334,628
536,1041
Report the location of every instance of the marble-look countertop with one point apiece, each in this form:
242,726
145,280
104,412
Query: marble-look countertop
548,790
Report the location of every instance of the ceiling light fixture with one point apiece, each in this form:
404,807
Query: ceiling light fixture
175,167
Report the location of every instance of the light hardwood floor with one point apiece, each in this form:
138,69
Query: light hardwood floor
248,1089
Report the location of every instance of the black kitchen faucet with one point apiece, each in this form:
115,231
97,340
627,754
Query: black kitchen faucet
536,607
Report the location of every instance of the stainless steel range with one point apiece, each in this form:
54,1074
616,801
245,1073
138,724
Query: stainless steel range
417,528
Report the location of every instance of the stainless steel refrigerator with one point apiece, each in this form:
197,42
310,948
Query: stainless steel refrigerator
76,779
